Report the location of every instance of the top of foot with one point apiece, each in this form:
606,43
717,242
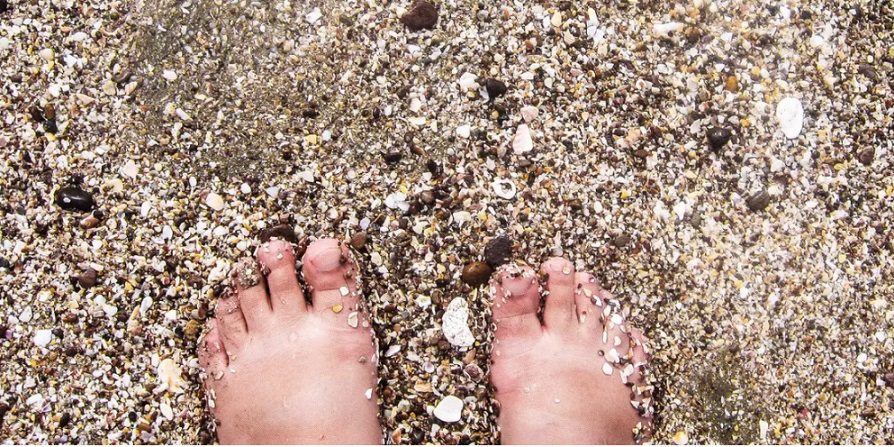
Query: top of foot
575,378
280,369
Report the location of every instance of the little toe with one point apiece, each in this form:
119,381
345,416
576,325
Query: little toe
516,300
332,276
277,259
587,301
558,312
212,357
230,322
639,355
246,277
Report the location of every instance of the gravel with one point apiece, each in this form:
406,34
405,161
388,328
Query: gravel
185,128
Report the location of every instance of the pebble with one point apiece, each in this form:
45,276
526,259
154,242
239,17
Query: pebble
358,240
4,6
498,251
87,278
790,114
423,15
450,409
718,137
74,198
284,232
866,156
47,54
455,323
464,131
758,201
681,438
214,201
495,88
888,378
476,273
169,378
522,142
43,337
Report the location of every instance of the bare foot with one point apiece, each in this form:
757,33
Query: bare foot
280,370
577,378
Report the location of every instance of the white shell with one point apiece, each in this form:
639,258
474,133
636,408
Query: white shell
790,114
43,337
522,142
607,369
214,201
464,131
529,113
504,188
450,409
455,323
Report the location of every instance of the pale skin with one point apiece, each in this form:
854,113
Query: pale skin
284,370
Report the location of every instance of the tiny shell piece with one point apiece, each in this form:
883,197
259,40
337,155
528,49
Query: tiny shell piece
607,369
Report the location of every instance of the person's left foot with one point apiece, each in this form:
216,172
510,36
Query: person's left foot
280,370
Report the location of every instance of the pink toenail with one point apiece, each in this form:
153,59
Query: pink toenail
328,259
517,286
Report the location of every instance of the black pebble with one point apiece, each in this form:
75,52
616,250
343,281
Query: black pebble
495,88
718,137
49,126
392,157
435,168
4,6
74,198
498,251
424,15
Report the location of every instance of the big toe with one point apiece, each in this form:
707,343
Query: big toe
516,301
332,277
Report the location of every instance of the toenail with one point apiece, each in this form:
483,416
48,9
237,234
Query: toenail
328,259
517,286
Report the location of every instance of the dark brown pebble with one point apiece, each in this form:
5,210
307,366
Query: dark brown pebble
49,112
392,157
868,71
64,420
476,273
758,201
495,88
123,77
889,379
621,241
4,6
718,137
310,113
866,156
87,278
70,317
58,332
284,232
498,251
195,281
358,240
427,197
434,168
36,114
4,407
74,198
474,372
423,15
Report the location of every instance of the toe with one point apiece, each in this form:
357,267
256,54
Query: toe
231,325
252,291
212,357
558,312
587,301
516,300
332,276
277,259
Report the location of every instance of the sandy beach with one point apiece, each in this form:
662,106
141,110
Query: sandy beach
723,167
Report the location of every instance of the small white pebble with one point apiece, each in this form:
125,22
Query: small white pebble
607,369
344,291
43,337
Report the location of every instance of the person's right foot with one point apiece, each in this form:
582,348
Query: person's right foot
577,378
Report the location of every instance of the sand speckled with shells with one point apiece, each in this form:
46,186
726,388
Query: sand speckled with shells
759,263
